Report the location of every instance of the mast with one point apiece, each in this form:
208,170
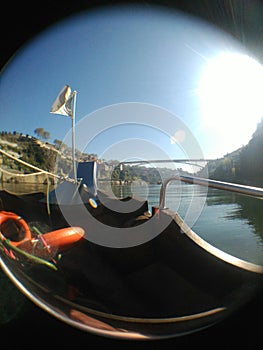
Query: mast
73,135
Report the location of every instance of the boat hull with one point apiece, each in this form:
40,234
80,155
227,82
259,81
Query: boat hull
173,284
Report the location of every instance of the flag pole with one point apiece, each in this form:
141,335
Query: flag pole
65,104
73,135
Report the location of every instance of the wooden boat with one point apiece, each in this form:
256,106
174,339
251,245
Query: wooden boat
171,284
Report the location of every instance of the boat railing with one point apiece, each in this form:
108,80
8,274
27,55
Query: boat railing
256,192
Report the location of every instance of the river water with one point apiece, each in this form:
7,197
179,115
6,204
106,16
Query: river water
229,221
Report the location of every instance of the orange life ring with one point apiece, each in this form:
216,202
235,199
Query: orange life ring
47,245
21,231
64,238
44,246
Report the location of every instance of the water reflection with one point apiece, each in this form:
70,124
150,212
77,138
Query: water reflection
251,210
245,207
233,223
230,221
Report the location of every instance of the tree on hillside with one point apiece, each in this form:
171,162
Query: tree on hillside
60,145
39,132
250,165
46,135
57,143
42,133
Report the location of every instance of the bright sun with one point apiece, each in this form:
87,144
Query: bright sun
231,95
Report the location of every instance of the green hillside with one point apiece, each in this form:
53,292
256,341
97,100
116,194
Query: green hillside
244,165
39,153
28,149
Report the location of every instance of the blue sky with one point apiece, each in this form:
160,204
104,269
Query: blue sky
110,56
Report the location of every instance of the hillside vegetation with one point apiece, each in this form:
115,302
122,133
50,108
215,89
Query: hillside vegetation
35,152
244,165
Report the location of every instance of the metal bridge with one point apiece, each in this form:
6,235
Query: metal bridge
193,162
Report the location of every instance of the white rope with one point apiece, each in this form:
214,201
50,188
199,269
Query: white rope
47,196
35,168
39,172
21,175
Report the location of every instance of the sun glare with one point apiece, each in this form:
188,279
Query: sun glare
230,93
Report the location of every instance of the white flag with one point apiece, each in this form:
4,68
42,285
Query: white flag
64,102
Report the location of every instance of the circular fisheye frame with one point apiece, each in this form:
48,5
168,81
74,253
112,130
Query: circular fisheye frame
123,233
155,121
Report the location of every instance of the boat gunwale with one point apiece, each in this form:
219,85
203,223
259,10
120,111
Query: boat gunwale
211,249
